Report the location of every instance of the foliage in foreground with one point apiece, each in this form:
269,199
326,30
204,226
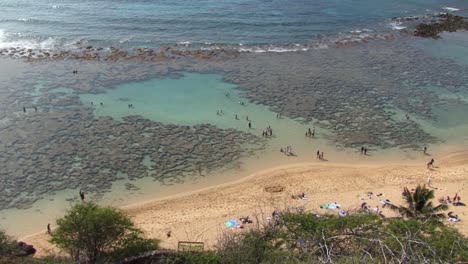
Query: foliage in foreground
363,237
94,234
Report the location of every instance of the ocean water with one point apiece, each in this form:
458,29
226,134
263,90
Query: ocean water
392,95
48,24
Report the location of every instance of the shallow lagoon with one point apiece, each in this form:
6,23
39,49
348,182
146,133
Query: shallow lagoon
190,98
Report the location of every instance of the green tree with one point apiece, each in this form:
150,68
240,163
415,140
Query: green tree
5,243
94,234
419,204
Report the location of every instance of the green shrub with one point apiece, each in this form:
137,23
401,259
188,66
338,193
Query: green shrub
94,234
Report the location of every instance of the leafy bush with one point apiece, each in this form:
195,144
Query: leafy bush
94,234
357,238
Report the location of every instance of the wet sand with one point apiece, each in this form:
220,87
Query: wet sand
199,216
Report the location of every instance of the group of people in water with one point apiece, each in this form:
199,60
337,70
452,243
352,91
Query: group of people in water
101,103
268,132
310,132
320,155
287,151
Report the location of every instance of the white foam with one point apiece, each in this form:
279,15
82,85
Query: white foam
272,49
396,25
184,43
451,9
125,40
47,44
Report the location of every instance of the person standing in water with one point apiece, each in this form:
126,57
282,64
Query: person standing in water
250,124
425,150
82,195
24,109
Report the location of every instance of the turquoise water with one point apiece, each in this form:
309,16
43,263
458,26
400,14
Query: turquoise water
203,99
192,99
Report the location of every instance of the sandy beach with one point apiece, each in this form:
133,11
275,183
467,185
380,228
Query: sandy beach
199,216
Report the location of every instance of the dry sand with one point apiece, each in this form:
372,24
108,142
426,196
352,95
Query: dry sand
199,216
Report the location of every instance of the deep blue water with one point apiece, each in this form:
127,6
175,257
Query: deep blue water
152,23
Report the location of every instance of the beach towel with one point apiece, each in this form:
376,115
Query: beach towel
231,223
329,206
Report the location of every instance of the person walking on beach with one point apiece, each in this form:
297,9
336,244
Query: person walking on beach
321,155
82,195
49,230
318,154
365,151
362,150
430,164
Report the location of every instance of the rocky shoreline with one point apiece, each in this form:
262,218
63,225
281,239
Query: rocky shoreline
441,23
